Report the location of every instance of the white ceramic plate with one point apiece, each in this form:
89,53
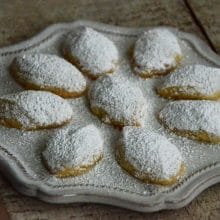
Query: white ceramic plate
20,152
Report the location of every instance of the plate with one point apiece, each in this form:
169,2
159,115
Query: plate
107,183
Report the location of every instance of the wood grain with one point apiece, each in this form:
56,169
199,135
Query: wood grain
20,20
208,15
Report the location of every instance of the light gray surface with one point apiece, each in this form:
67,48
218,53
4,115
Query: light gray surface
31,178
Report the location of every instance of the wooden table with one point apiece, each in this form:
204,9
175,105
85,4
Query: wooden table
20,20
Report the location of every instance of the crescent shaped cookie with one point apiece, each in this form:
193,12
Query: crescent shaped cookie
117,101
156,53
92,52
73,151
192,82
149,156
197,120
31,110
50,73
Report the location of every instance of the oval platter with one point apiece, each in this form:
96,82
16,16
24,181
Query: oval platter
107,183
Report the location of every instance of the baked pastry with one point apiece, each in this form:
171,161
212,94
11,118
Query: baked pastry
197,120
74,150
192,82
117,101
149,156
31,110
156,53
93,53
48,72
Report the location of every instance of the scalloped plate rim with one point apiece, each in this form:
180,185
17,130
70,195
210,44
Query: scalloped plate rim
195,184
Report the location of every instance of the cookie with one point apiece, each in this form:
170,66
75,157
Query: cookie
149,156
197,120
31,110
117,101
48,72
156,53
73,151
92,52
192,82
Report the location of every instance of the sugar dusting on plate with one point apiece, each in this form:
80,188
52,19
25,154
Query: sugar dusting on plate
27,146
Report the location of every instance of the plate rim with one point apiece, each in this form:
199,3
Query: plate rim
24,183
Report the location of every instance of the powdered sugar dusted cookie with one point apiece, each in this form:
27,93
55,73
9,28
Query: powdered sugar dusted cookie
30,110
194,119
117,101
91,51
73,151
192,82
156,52
50,73
149,156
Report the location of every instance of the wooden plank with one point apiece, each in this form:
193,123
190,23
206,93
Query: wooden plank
208,15
20,20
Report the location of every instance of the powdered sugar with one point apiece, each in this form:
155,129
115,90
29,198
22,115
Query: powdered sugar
151,153
33,109
202,79
156,49
45,70
73,147
192,116
120,99
106,176
95,52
